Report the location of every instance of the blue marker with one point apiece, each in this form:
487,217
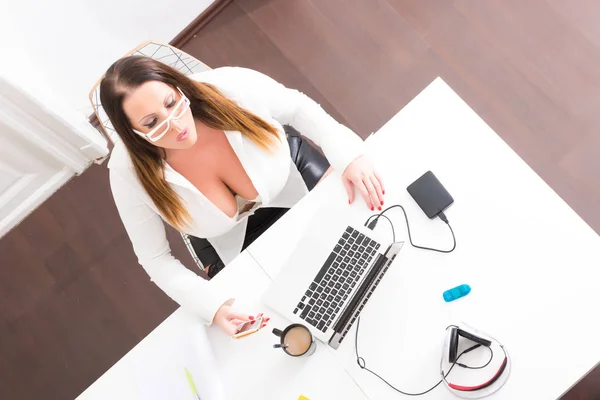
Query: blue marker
456,293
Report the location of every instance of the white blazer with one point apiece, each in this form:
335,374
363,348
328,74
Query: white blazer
274,175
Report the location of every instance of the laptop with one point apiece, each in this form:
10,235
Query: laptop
330,276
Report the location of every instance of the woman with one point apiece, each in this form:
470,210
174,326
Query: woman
207,154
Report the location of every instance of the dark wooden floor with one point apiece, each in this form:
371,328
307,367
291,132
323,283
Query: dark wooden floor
74,300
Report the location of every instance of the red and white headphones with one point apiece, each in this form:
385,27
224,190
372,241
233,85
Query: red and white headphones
493,373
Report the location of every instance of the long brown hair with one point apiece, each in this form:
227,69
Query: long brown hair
207,104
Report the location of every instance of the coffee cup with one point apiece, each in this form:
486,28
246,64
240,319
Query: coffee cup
296,340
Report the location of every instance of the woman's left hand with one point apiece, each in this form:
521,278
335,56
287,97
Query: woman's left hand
362,175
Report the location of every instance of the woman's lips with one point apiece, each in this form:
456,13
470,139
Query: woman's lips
183,135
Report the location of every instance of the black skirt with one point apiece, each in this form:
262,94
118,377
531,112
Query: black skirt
312,166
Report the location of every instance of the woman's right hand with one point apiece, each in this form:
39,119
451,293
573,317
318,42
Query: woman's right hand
228,319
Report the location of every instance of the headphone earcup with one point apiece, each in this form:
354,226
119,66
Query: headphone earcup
474,338
452,345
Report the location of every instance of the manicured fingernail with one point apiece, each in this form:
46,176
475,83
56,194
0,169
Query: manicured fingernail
383,191
372,208
251,317
380,208
267,319
349,202
263,325
260,315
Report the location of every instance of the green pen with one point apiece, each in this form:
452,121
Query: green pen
192,385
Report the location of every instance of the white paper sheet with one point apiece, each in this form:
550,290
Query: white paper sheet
160,370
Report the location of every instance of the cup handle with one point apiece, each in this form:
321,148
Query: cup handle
277,332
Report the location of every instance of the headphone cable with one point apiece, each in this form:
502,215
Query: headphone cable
360,360
363,365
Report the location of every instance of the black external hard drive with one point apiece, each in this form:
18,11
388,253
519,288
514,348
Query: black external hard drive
430,194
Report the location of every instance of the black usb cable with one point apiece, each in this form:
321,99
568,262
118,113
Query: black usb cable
375,218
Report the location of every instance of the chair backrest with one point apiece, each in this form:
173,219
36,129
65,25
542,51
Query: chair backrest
159,51
171,56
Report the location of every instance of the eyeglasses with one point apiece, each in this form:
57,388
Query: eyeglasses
161,129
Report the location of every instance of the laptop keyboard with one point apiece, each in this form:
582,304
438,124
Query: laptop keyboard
337,277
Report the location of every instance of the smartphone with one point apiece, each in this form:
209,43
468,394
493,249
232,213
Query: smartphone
248,328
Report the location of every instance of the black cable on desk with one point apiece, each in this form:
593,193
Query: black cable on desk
391,226
363,365
360,360
372,224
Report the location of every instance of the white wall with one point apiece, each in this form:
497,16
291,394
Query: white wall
60,48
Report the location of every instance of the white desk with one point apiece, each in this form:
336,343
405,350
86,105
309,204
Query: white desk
531,261
221,366
529,258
